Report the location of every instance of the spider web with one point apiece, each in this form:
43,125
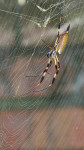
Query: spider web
23,58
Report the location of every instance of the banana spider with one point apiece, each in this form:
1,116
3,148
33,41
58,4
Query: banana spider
58,48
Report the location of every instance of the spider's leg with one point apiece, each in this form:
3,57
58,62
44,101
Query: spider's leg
68,28
53,80
58,63
46,69
57,34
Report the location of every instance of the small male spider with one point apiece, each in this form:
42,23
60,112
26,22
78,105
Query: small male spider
58,48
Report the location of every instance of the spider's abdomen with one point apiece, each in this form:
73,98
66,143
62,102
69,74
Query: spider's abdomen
62,43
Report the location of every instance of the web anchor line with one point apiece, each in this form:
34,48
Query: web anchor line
32,76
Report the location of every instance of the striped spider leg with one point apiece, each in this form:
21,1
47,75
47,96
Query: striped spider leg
57,34
57,67
48,65
46,69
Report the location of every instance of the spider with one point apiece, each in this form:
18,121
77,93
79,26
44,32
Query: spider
58,48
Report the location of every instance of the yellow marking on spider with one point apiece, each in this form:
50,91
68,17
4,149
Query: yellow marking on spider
44,74
54,75
55,61
57,58
56,42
